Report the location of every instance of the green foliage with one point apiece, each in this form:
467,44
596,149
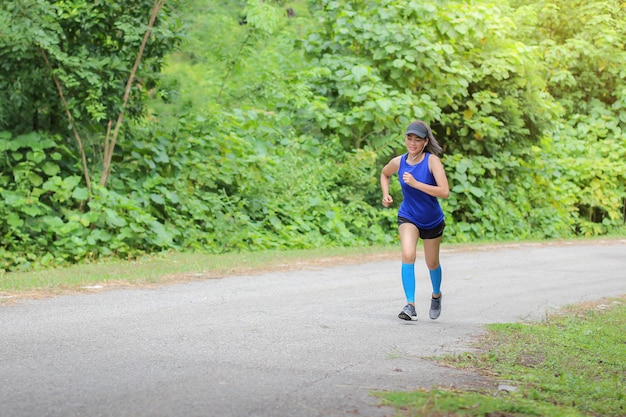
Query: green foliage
211,186
475,71
503,198
225,63
45,220
268,131
453,64
582,50
588,156
238,189
91,47
29,186
23,79
582,47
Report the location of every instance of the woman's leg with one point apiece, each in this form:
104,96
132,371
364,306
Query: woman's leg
431,252
431,255
408,239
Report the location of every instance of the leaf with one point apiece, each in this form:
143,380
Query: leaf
458,189
80,193
114,219
384,104
398,63
157,199
477,192
359,72
14,220
32,209
163,237
51,169
53,222
34,179
275,221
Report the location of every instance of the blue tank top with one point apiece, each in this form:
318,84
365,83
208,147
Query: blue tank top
420,208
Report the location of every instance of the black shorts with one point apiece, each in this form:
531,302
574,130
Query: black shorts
433,233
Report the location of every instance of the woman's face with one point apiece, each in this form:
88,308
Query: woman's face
414,143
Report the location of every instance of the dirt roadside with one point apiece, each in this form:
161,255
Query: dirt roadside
304,263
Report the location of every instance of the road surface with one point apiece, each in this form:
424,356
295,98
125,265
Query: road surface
312,342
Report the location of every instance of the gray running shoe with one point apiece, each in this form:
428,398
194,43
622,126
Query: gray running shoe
408,313
435,307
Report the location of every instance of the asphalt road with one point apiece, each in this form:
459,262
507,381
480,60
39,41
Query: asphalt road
312,342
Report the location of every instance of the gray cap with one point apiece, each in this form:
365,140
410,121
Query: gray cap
417,129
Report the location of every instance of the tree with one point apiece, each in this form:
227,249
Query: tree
76,68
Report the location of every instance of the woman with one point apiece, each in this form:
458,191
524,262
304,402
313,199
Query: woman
423,181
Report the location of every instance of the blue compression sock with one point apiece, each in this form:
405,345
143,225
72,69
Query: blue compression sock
435,279
408,282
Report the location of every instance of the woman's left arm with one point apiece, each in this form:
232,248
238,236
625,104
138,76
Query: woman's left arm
442,187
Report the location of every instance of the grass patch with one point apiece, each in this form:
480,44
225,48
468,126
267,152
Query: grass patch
571,364
168,268
171,267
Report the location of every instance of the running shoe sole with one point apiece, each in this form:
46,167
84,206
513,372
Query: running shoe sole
408,313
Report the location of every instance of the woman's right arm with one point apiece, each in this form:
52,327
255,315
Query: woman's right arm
391,168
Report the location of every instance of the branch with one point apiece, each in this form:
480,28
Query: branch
71,120
106,169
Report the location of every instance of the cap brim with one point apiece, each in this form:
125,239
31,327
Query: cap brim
415,132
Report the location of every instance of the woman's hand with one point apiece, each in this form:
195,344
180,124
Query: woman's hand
387,200
407,178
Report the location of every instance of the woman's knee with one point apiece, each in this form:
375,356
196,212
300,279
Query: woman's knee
408,258
432,262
